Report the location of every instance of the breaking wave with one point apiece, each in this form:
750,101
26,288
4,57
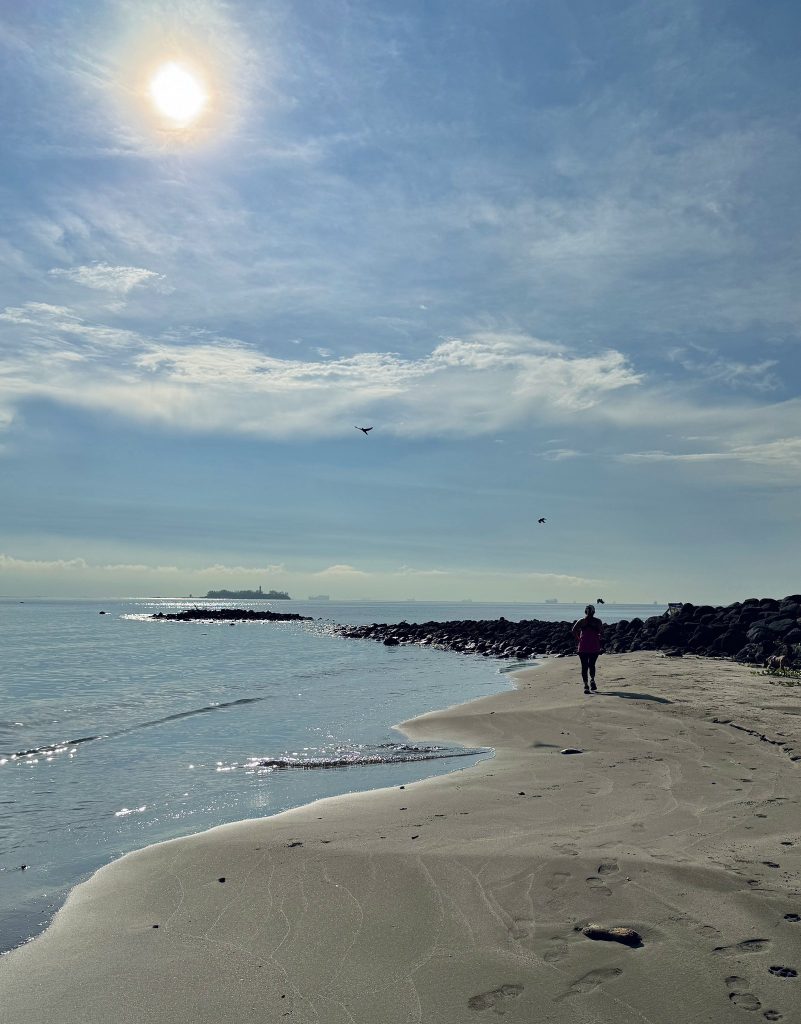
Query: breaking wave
385,753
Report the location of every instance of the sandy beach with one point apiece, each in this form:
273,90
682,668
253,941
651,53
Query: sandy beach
463,898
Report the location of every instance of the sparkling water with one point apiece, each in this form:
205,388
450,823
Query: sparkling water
117,731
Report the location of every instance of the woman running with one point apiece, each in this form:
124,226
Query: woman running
587,632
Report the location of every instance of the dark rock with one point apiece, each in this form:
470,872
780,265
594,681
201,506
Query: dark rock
391,641
627,936
571,750
671,633
780,625
728,643
751,654
229,614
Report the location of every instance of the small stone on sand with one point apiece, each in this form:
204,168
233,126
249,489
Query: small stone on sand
571,750
627,936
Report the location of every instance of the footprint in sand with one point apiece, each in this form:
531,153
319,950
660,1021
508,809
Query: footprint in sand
746,946
792,918
772,1015
609,867
496,1000
592,980
598,884
558,952
522,928
745,1000
559,878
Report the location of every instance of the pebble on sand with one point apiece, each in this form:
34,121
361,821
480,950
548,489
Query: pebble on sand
571,750
627,936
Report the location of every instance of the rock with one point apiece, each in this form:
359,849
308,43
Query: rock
627,936
228,614
728,643
571,750
781,625
391,641
751,654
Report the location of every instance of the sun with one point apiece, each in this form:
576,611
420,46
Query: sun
178,94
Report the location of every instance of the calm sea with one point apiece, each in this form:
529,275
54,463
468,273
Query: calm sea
117,731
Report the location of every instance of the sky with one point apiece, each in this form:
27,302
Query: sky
547,249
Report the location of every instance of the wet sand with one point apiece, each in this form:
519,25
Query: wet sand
463,898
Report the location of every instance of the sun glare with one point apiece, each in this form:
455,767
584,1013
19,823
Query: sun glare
177,94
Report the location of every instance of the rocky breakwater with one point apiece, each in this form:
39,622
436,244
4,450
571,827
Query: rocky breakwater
749,631
228,615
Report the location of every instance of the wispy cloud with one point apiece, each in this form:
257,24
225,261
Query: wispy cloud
224,384
119,280
343,573
783,455
703,363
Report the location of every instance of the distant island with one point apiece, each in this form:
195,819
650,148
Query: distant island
251,595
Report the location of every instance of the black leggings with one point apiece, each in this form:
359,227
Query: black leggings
587,662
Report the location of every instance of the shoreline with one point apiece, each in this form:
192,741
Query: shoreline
462,894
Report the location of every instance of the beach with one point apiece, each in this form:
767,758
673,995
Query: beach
463,897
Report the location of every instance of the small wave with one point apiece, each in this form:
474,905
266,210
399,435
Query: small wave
186,714
65,745
390,754
52,748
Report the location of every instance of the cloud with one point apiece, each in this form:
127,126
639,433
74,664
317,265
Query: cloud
201,383
342,572
103,277
347,571
11,563
782,456
758,376
561,454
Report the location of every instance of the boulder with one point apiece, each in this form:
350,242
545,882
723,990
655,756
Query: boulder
780,625
751,654
728,643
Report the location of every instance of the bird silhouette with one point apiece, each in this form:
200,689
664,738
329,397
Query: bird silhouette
541,520
600,601
364,430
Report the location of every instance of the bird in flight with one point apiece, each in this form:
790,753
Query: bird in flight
600,601
364,430
541,519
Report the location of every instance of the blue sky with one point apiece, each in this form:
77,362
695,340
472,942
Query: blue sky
548,249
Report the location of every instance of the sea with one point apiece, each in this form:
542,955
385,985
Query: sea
118,731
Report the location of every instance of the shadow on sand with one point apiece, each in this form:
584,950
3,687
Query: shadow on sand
635,696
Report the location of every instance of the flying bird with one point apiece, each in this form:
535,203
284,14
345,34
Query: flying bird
364,430
541,520
600,601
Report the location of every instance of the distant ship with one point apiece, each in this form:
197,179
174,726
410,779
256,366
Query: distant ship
251,595
319,597
552,600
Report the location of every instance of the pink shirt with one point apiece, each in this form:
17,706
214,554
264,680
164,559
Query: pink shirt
589,638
